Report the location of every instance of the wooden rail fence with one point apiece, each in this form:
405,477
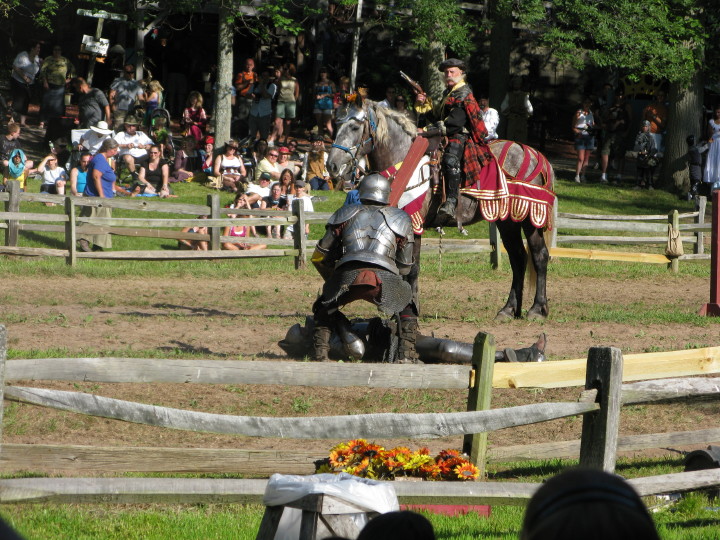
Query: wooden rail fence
599,404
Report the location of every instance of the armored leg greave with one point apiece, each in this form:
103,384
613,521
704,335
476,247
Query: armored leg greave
406,348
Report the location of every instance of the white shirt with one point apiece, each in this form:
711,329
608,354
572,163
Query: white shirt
528,105
91,140
255,188
50,177
139,139
307,206
28,67
491,119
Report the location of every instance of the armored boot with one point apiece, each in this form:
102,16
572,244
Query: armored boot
406,348
534,353
321,344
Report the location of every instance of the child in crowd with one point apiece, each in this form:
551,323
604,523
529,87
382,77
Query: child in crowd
17,170
195,245
240,231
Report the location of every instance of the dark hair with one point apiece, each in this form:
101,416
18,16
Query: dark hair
587,504
403,525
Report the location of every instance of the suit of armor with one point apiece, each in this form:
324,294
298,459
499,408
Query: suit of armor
366,250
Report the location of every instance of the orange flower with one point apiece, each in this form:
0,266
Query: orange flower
357,446
467,471
372,450
340,458
425,451
447,454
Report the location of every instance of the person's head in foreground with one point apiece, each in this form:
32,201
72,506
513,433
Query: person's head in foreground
404,525
589,505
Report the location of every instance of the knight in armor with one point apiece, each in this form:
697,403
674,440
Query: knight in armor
366,251
459,119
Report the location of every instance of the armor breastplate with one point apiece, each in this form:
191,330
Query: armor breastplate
370,236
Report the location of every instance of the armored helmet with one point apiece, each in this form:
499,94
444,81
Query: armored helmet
374,187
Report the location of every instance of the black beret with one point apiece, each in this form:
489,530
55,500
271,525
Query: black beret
452,62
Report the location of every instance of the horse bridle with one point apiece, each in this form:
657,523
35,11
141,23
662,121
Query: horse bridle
369,128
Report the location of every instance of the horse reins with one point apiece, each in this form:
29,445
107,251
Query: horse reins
369,128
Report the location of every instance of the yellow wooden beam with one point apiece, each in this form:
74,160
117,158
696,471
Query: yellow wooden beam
637,367
602,255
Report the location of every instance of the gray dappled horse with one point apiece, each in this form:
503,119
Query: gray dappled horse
384,137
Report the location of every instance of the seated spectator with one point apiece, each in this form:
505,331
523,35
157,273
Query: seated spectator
315,170
133,144
16,170
287,182
404,525
194,119
241,201
284,161
230,168
300,193
10,142
207,155
274,201
54,177
587,504
182,170
195,245
269,165
78,175
93,137
156,174
256,192
295,154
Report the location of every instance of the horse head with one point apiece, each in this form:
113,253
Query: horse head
354,139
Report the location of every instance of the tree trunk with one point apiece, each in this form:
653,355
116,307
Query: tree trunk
684,118
433,81
222,115
501,42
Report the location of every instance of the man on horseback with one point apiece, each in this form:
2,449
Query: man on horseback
459,119
366,251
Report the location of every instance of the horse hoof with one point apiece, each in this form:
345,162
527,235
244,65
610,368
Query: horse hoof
537,313
504,316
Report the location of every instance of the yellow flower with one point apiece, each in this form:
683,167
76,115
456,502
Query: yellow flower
340,458
467,471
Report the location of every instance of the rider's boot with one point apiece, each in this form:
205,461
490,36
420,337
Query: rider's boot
406,348
452,182
534,353
321,344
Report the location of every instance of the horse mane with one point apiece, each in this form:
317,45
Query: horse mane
383,116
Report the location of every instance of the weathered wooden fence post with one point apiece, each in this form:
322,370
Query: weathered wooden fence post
213,201
481,376
70,232
700,220
12,205
598,445
495,242
3,356
300,242
674,220
712,308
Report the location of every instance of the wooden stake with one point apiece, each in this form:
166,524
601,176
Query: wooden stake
475,444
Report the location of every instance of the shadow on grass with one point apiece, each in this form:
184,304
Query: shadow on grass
46,241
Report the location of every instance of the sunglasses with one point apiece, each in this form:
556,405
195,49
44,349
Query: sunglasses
129,72
274,155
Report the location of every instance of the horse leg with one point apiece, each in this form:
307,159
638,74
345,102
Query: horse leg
540,257
413,309
511,235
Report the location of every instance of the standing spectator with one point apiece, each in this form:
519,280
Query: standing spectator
78,175
695,166
93,137
583,126
55,73
616,122
230,168
194,119
516,108
300,193
124,92
656,113
133,144
93,106
490,117
101,183
286,108
316,173
244,83
646,156
400,106
323,107
389,101
8,143
153,100
24,70
54,177
269,165
260,119
712,165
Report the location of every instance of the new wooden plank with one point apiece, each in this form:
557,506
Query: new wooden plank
602,255
637,367
372,426
112,369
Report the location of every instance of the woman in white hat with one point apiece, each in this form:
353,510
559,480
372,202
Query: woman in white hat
93,137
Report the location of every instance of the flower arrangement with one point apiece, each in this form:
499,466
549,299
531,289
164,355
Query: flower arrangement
360,458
